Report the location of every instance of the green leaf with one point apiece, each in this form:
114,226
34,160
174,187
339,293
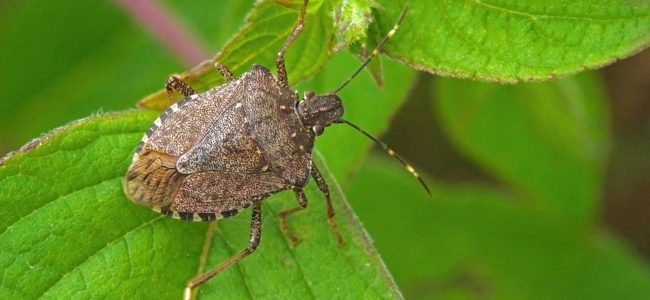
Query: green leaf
68,231
113,245
266,28
475,242
509,41
549,139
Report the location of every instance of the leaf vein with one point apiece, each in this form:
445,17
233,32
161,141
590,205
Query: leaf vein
537,17
237,266
99,251
291,251
54,200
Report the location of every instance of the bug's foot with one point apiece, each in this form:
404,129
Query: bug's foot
295,240
335,228
339,239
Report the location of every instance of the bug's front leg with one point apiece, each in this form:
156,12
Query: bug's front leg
174,83
279,60
322,186
255,235
224,71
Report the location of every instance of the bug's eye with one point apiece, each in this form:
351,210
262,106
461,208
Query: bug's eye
318,130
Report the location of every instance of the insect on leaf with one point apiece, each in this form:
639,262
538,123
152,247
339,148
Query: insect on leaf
68,230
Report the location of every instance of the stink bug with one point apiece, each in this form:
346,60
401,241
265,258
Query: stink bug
215,153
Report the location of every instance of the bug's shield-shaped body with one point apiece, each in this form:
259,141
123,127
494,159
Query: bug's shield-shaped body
213,154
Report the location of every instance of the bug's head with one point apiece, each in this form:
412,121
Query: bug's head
318,112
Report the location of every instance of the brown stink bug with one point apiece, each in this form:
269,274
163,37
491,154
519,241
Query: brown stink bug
215,153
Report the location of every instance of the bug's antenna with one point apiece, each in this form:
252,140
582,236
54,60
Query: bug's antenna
392,153
374,52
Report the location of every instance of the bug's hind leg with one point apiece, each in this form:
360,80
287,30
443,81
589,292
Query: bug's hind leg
174,83
255,234
322,186
224,71
302,204
279,60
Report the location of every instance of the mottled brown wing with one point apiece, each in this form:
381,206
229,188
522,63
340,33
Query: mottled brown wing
186,123
286,144
152,179
227,146
213,195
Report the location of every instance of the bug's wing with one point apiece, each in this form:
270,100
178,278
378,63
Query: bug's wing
227,146
152,179
187,122
224,192
284,141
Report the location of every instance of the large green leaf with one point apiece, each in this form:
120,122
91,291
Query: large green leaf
68,231
549,140
477,242
115,245
512,40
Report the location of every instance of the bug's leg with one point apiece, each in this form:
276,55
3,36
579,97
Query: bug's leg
279,60
322,186
255,234
225,72
174,83
302,204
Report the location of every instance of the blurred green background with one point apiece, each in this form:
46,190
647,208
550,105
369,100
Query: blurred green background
541,190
